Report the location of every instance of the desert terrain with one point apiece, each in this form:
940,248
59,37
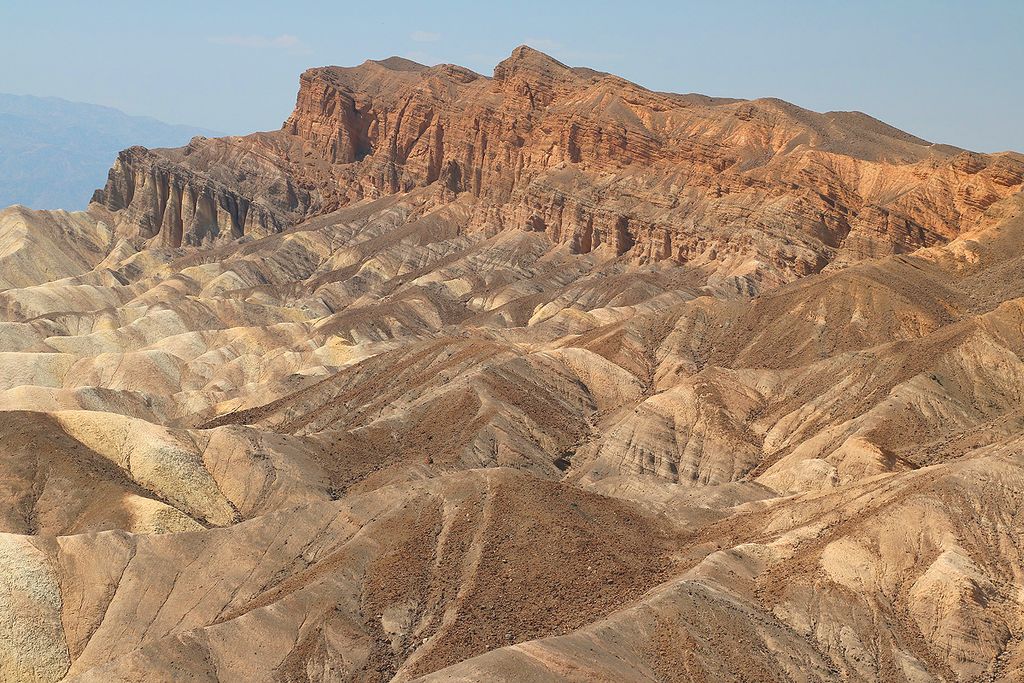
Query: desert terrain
535,376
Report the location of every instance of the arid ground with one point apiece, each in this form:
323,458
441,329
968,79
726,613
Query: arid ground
540,376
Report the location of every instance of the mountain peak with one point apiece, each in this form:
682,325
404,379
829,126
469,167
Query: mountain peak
396,63
524,54
531,73
526,58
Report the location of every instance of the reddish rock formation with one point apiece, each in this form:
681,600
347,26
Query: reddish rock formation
757,191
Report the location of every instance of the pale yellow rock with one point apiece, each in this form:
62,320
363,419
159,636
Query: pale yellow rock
34,648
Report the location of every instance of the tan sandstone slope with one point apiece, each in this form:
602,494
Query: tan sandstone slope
542,376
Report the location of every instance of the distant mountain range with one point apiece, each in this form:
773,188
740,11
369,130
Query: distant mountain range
54,153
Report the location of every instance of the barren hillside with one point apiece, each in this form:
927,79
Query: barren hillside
541,376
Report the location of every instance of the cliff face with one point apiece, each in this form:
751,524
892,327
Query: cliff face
167,202
751,193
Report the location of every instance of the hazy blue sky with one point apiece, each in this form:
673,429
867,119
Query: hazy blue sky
946,71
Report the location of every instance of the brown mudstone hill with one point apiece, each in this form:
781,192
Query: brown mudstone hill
536,377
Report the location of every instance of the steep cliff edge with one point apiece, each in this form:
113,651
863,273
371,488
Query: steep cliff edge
748,193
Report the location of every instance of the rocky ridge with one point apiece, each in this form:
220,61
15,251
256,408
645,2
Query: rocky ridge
754,193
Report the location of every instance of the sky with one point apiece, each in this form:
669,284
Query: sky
949,72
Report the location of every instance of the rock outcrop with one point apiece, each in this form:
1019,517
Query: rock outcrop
165,200
753,193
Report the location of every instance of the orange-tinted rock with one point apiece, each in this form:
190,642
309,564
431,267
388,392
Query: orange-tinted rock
757,191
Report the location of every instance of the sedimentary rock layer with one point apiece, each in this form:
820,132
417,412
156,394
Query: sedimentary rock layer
753,192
